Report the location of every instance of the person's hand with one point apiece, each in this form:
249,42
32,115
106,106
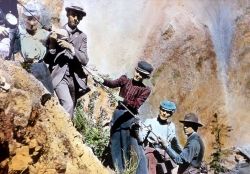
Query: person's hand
65,44
53,35
162,142
98,79
3,32
119,98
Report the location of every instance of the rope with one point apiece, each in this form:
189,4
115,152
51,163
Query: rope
111,93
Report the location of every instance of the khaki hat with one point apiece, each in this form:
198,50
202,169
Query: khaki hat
3,84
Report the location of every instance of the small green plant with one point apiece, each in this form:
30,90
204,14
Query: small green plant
94,135
131,164
220,131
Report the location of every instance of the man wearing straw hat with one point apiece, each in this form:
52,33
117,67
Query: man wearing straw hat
190,158
66,63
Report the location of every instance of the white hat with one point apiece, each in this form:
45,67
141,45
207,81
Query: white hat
31,9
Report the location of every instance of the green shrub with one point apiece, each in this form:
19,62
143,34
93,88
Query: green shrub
94,135
220,130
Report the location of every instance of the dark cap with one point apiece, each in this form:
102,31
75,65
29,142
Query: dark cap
77,9
144,67
191,118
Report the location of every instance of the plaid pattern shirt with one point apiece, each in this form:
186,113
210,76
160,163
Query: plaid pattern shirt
134,93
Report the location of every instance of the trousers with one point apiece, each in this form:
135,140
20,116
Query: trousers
124,147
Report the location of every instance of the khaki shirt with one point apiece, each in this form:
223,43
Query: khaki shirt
33,47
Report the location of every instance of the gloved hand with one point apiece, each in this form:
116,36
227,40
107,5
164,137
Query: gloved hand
65,44
119,98
98,79
3,32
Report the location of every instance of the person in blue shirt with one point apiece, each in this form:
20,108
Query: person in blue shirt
190,158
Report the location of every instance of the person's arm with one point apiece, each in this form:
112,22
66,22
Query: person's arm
173,139
175,145
187,155
115,83
77,51
81,54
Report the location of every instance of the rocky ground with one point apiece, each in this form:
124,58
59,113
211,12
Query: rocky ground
36,138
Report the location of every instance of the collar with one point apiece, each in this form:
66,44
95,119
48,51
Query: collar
191,135
69,29
162,122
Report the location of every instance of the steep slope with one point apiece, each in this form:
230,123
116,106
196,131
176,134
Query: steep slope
36,138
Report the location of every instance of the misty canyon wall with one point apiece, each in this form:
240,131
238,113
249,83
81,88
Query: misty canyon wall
199,50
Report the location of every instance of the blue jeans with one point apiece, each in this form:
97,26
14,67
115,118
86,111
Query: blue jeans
122,143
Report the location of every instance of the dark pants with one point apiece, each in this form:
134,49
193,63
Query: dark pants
123,144
41,73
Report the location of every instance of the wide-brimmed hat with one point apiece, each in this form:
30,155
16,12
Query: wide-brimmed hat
245,150
77,9
191,118
144,67
31,9
168,105
3,84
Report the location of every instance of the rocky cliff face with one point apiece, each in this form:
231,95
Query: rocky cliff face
175,36
179,38
239,80
36,138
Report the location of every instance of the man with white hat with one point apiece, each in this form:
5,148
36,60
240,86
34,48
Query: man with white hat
66,58
33,39
190,158
161,126
133,93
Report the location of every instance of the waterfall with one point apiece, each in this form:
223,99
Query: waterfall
222,30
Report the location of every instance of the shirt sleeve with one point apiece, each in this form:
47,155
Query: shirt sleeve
115,83
81,53
187,154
